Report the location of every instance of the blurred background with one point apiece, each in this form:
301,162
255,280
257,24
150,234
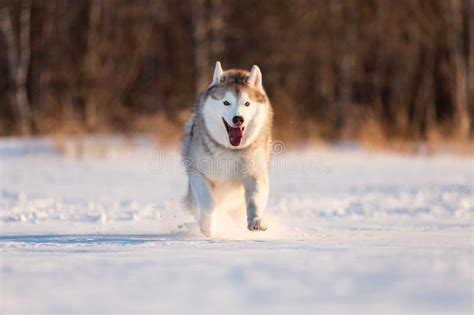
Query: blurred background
388,73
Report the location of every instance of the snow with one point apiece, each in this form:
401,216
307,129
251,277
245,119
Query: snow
350,231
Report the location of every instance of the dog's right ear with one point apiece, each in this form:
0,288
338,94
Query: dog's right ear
255,77
216,78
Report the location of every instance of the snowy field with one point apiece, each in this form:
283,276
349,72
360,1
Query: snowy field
350,231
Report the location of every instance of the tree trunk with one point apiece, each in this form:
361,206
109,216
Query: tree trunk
200,44
217,29
19,60
461,68
469,37
92,63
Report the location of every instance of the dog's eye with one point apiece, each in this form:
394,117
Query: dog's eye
226,103
247,103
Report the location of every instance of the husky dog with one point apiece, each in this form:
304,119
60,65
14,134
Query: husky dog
226,149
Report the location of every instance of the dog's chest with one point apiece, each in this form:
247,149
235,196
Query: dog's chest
235,165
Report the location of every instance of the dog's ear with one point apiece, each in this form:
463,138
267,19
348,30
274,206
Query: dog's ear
216,78
255,77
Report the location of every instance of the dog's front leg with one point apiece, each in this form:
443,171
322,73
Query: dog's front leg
256,196
205,198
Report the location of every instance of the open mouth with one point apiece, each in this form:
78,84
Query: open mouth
235,133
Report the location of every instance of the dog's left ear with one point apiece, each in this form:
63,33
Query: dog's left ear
255,77
216,78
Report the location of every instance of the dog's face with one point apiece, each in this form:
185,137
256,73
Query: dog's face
235,108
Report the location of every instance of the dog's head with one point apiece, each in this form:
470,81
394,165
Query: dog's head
235,107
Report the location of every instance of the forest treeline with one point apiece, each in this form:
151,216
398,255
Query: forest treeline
334,69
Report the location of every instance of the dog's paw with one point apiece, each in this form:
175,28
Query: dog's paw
206,227
206,232
257,224
207,224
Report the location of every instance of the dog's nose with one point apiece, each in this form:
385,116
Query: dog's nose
238,120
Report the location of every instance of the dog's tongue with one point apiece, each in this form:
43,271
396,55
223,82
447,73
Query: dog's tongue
235,136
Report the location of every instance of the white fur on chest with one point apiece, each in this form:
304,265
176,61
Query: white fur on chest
227,166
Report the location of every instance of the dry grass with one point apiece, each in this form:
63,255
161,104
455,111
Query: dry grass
69,134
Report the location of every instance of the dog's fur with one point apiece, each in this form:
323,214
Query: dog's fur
219,171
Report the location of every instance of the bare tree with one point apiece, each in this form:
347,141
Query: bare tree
200,43
208,29
18,52
469,38
217,29
92,65
114,57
